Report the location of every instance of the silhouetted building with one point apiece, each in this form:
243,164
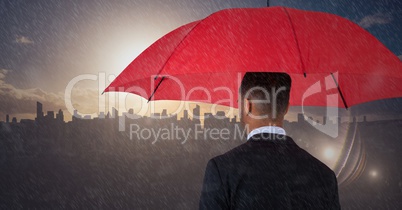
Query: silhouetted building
115,113
196,114
220,114
300,118
39,111
196,111
50,115
7,118
76,115
155,115
234,119
60,116
185,115
14,120
101,115
164,113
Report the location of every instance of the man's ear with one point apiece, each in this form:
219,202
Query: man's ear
247,106
287,108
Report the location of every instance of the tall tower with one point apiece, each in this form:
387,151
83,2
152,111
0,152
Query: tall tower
7,118
196,112
115,113
300,118
39,111
60,116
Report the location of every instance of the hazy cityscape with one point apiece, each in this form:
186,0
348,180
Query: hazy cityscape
158,161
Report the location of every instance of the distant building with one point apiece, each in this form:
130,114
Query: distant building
60,116
14,120
76,115
115,113
164,113
220,114
196,112
185,115
39,111
234,119
101,115
155,115
50,115
7,118
300,118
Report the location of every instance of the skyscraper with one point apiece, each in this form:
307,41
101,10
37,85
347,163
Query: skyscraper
196,112
39,111
115,113
60,116
300,118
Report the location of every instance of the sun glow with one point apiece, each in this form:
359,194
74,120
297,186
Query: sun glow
329,153
124,56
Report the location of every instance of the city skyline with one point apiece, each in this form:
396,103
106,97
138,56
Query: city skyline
50,115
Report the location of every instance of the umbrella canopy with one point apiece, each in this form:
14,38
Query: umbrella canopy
323,53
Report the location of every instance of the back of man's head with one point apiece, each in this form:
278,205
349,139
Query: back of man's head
268,92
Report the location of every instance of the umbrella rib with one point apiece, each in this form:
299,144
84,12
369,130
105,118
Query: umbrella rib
297,41
174,50
149,99
339,90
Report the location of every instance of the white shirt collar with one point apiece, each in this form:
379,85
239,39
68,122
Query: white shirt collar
267,129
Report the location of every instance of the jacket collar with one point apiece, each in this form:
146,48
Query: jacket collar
272,138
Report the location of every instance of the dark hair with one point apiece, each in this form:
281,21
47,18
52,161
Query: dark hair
271,86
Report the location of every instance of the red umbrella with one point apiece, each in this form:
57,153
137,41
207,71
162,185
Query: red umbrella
323,53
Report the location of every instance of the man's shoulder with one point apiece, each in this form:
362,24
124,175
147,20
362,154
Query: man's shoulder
235,153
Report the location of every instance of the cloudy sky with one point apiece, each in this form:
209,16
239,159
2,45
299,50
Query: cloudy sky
45,44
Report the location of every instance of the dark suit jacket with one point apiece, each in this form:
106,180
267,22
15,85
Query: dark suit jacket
269,171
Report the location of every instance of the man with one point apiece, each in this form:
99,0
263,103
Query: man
269,171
